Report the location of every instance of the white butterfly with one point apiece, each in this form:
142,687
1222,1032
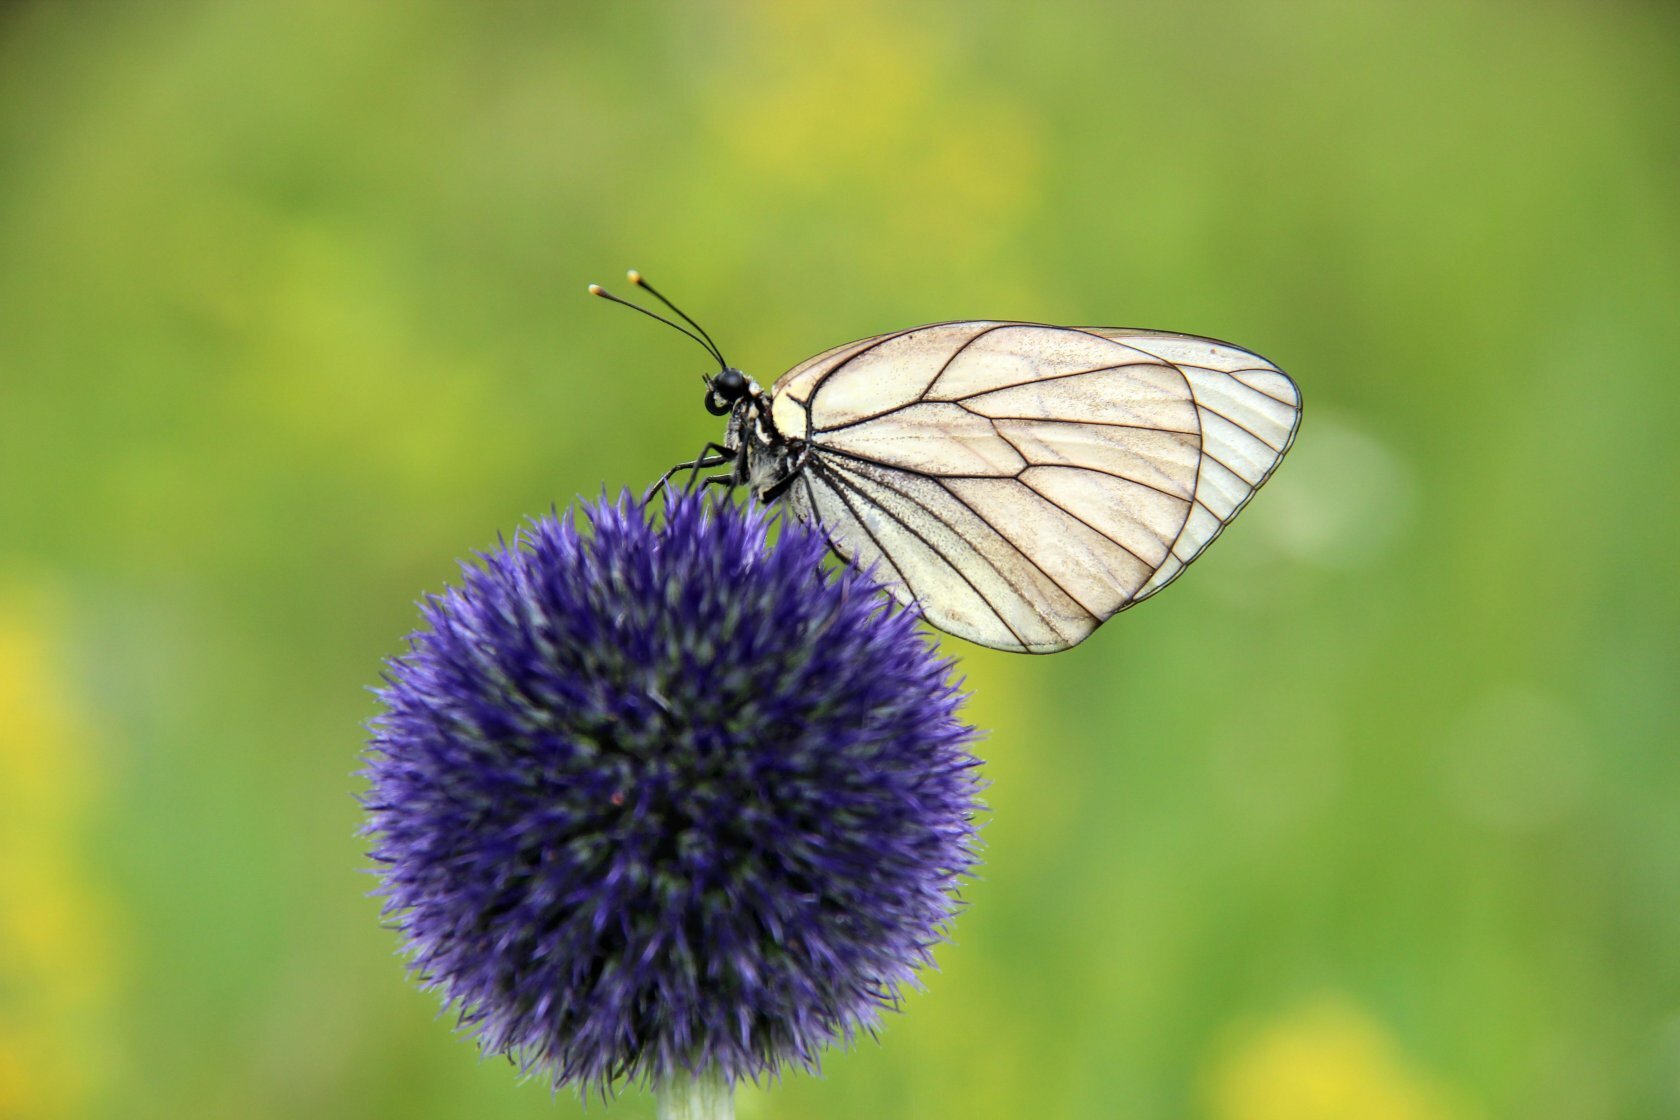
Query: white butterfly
1019,483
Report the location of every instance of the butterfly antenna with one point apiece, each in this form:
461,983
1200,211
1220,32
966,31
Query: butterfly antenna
637,279
705,344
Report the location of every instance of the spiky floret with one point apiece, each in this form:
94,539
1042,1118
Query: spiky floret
664,797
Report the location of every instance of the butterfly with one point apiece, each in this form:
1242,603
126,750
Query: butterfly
1017,483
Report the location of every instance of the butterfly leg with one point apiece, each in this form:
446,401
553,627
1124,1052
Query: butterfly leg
778,489
712,455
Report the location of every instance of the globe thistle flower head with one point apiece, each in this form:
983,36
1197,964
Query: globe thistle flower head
666,799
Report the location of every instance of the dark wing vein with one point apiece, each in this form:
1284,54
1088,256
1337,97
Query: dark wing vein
1226,373
1232,373
835,478
822,379
1145,561
1019,590
1212,458
828,532
1196,431
921,398
816,386
1010,541
1262,440
958,351
1195,483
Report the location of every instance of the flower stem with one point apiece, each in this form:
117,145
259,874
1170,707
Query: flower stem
705,1096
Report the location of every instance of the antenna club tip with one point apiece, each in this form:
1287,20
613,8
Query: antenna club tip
635,276
597,290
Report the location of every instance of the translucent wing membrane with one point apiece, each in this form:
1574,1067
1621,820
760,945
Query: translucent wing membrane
1024,483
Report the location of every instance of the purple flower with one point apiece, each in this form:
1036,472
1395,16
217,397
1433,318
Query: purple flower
660,801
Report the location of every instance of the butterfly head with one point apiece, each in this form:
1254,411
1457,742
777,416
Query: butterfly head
725,390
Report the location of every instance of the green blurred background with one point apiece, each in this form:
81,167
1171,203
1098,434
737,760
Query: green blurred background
1375,815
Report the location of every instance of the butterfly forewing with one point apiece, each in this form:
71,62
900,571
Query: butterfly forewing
1022,483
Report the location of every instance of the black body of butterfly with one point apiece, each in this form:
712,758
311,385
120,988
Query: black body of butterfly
1019,483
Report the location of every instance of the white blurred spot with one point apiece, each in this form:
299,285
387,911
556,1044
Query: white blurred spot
1341,498
1518,760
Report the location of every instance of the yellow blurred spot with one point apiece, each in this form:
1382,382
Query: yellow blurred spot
860,97
842,87
16,1085
1327,1060
55,959
336,375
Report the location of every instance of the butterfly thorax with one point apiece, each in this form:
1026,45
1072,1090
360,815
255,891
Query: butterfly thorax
767,461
